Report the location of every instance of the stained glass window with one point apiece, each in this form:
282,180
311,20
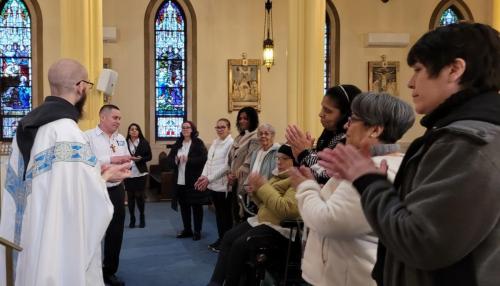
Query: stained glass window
448,17
15,64
326,53
170,66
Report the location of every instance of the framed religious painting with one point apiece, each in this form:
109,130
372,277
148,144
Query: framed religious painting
383,76
106,63
243,83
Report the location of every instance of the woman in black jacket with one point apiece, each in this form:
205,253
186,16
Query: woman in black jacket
140,150
187,158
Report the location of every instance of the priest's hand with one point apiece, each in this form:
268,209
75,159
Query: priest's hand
116,172
120,159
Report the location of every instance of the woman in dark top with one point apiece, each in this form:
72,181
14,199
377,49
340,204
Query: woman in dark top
187,158
335,110
140,150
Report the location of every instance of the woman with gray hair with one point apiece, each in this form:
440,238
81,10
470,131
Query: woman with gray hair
341,246
261,161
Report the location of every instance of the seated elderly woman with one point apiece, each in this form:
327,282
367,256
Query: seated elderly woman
261,161
341,246
276,202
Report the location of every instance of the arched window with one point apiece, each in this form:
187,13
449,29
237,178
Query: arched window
168,89
19,83
449,12
331,46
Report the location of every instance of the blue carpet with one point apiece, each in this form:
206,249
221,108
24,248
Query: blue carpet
153,256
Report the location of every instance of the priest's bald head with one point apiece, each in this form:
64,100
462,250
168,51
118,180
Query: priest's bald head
69,79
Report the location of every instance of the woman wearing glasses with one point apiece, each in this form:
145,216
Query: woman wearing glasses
214,178
187,158
276,198
341,246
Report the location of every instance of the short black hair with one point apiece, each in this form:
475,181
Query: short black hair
342,97
108,107
477,44
253,118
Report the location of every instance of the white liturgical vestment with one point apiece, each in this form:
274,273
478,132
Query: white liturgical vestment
59,213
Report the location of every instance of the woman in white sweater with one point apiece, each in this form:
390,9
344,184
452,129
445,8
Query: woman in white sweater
341,246
214,178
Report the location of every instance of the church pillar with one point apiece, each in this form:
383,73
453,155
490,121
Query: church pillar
496,14
305,63
81,39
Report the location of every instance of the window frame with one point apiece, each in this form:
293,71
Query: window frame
35,15
150,66
459,6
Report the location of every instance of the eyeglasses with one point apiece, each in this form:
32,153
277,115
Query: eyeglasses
282,158
220,127
90,84
185,127
264,133
353,119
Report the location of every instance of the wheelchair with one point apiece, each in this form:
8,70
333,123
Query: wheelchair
274,265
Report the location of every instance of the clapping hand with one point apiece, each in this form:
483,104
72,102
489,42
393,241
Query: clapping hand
348,163
120,159
115,172
255,181
181,159
298,140
299,175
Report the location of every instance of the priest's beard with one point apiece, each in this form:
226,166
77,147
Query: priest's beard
79,105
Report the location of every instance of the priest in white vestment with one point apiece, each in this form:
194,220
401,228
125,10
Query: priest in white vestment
55,204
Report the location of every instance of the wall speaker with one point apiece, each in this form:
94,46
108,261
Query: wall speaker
109,34
387,39
107,81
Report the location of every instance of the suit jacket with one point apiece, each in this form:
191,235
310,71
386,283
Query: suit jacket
144,151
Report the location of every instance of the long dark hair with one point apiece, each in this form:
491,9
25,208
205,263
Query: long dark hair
141,136
253,118
194,133
342,97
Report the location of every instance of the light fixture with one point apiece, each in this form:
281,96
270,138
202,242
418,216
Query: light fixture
268,53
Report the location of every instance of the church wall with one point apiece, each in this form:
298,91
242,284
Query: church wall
226,28
393,17
51,37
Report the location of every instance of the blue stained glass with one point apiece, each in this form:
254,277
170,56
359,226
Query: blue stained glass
170,74
448,17
170,102
169,127
170,70
15,62
172,45
170,17
9,126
